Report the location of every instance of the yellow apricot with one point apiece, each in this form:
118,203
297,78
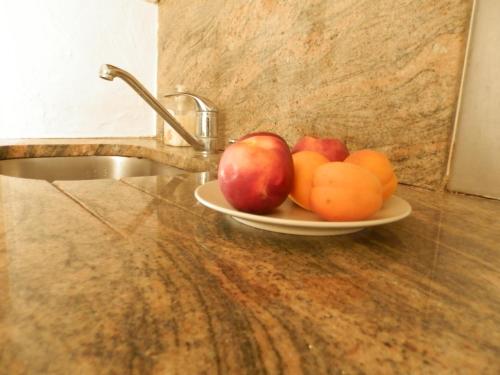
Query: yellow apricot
304,165
345,192
377,163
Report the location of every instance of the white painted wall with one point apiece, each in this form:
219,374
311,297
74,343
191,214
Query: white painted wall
50,54
475,166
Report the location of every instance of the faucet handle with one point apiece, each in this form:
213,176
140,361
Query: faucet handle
206,129
202,104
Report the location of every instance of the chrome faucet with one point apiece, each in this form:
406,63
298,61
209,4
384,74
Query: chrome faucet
205,139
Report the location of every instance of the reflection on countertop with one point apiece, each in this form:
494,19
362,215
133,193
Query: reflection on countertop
134,276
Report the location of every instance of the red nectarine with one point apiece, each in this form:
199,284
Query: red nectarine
256,173
334,149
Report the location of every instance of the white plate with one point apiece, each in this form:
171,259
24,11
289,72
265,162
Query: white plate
292,219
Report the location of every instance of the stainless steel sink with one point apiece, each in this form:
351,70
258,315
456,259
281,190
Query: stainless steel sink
84,168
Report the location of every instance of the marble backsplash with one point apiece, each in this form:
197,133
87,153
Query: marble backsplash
379,74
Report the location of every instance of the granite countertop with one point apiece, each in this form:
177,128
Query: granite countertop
181,157
134,276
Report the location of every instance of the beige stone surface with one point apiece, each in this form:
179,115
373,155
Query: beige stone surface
136,277
379,74
149,148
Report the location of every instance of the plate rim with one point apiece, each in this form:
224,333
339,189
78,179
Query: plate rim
299,223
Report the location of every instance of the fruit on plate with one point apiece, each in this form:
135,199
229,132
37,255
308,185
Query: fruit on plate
304,165
256,173
334,149
377,163
345,192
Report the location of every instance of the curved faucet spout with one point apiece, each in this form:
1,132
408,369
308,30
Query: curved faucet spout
109,72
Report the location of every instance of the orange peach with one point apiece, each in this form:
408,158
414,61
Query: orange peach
345,192
304,165
377,163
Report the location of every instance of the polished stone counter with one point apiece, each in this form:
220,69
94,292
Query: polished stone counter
180,157
135,277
